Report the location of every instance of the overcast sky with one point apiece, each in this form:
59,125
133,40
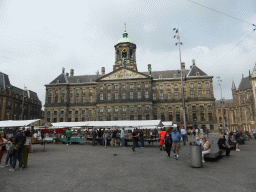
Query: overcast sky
39,37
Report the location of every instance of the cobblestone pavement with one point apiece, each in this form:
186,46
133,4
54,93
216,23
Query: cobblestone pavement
96,168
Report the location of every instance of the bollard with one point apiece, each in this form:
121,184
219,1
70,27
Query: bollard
196,155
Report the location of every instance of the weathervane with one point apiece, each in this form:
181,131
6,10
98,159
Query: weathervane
124,26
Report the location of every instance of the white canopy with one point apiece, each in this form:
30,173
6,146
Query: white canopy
167,123
110,124
17,123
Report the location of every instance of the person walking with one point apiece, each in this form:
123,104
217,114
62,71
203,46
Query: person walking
68,133
8,147
168,142
176,143
3,142
113,138
105,138
26,150
19,141
194,131
184,135
134,139
161,137
93,136
122,137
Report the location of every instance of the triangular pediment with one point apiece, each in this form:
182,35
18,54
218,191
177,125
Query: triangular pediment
123,73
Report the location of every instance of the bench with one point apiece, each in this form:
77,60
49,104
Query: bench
214,155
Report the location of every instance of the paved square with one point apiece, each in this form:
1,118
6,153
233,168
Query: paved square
96,168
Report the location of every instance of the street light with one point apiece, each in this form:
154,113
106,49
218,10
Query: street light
222,101
181,76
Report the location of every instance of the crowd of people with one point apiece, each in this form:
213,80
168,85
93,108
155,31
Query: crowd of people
16,148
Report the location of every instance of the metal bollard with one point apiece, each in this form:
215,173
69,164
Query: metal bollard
196,155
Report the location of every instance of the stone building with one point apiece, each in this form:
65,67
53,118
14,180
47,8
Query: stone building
239,112
16,103
127,94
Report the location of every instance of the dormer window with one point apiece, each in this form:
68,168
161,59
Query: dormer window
174,76
58,81
78,81
197,74
160,76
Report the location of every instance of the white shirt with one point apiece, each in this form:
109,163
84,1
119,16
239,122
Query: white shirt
183,131
196,130
122,133
27,141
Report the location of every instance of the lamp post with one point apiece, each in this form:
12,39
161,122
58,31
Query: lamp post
181,76
222,101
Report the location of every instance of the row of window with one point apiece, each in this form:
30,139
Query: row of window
155,117
131,86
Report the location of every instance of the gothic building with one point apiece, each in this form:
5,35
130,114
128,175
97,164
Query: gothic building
16,103
239,112
127,94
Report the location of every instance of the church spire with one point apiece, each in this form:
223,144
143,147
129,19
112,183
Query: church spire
233,85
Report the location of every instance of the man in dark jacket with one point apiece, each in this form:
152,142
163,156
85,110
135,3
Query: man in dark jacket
19,141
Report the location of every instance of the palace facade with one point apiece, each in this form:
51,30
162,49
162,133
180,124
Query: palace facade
16,103
239,112
127,94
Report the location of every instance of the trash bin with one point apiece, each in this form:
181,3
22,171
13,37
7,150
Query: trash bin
196,155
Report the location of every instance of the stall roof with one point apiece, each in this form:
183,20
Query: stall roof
17,123
147,123
167,123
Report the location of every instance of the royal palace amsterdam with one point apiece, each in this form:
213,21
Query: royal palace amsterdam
127,94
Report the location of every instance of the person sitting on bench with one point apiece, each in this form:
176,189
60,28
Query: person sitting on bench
232,142
222,143
205,148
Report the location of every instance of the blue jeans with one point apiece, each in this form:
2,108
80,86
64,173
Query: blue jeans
17,154
142,142
122,141
184,138
104,142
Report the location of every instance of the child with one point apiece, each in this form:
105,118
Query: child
8,147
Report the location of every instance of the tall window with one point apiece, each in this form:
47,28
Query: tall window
169,95
146,95
77,99
83,98
146,85
161,87
200,93
123,95
109,87
147,109
109,110
90,112
62,99
84,91
207,93
90,90
131,95
124,109
131,86
49,100
154,87
206,84
77,91
131,109
101,96
101,87
161,96
199,85
202,117
175,86
147,117
116,96
71,91
192,94
56,92
63,91
139,95
109,96
90,99
83,112
178,117
191,85
176,95
210,116
56,99
124,117
154,96
139,108
123,86
101,110
70,100
116,110
116,86
138,86
168,87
